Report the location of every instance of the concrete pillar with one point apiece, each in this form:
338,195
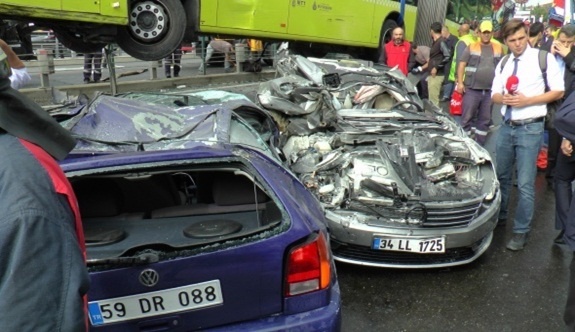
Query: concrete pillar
46,62
241,56
154,65
109,54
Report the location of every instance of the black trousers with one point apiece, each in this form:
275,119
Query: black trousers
93,64
553,149
564,175
173,59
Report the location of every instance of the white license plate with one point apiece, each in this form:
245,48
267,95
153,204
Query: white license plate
162,302
429,245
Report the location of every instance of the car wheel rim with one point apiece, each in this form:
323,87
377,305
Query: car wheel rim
148,21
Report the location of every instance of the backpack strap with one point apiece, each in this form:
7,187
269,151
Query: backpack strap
503,62
543,67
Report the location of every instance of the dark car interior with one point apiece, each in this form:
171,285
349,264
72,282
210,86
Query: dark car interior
123,213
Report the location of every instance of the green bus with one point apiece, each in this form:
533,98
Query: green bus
152,29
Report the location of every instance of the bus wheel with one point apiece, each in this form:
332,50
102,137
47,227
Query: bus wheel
76,42
155,29
386,31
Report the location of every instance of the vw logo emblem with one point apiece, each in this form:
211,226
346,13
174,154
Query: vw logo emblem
149,277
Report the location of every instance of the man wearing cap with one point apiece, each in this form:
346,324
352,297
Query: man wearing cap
475,73
43,277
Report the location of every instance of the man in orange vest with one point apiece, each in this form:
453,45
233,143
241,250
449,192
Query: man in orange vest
475,73
397,52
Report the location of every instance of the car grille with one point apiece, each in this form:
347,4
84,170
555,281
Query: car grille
439,214
368,255
450,214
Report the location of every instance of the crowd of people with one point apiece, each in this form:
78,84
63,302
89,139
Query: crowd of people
520,76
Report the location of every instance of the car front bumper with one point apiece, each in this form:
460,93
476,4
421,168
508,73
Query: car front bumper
351,242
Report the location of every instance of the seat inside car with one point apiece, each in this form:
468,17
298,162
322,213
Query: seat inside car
230,193
125,198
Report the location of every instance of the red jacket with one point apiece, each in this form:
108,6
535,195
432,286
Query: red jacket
398,55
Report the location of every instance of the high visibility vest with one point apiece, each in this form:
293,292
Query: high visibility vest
467,39
475,58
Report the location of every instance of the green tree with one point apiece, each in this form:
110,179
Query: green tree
540,13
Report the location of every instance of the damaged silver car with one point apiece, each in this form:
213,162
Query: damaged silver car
401,183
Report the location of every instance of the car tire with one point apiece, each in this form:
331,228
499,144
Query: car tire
76,43
156,40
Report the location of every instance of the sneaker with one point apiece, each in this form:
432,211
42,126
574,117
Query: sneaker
517,241
559,238
86,81
501,222
444,99
229,70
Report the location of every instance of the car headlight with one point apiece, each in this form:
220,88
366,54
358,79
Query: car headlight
492,191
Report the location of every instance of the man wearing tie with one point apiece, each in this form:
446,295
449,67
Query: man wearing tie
519,86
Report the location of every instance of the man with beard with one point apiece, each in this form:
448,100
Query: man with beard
397,52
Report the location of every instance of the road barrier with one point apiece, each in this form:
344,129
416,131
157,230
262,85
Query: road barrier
127,72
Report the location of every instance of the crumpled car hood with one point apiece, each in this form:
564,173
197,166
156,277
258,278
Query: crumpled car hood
365,144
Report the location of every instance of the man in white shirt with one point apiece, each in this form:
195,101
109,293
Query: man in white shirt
20,76
524,109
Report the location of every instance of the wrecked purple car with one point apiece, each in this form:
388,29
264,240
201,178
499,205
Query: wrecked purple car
401,183
192,223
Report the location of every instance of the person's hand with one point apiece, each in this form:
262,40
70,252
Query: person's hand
460,88
417,70
566,147
4,46
560,49
515,100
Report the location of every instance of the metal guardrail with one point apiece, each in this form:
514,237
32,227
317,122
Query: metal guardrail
51,69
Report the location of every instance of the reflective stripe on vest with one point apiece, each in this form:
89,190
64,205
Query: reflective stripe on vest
475,58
